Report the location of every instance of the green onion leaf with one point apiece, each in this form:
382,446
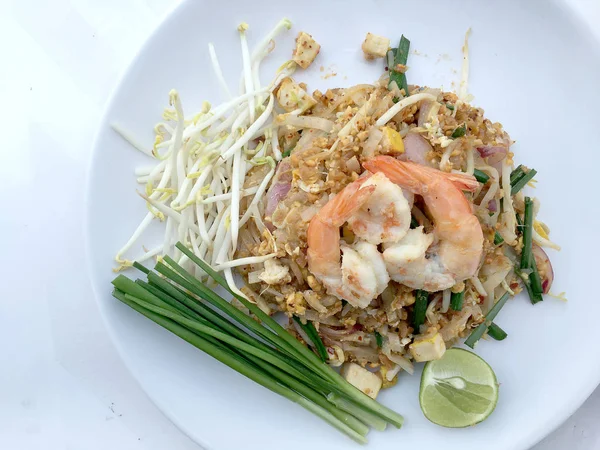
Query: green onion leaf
456,300
516,174
310,330
497,333
378,339
479,175
460,131
420,308
489,318
520,182
498,239
529,272
401,57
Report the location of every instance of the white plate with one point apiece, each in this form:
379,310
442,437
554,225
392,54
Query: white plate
533,68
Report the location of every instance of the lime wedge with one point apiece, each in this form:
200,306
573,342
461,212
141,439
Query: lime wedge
458,390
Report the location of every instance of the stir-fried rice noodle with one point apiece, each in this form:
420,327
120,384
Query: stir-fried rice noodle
242,183
329,144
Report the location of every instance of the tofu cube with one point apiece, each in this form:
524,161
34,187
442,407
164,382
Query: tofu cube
375,46
392,141
291,96
362,379
428,347
306,50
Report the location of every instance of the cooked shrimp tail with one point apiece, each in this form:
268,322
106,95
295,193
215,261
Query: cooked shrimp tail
361,275
457,253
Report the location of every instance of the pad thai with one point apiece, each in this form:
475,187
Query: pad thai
385,219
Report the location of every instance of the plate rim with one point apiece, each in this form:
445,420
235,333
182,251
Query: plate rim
532,438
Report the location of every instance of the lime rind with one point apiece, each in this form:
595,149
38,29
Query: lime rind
458,390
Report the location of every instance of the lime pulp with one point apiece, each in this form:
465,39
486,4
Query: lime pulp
458,390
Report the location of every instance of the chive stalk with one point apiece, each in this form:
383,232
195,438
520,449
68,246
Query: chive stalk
312,334
456,300
481,176
489,318
496,333
498,239
420,308
400,58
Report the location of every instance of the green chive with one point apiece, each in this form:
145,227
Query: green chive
419,310
498,239
480,176
450,106
489,318
522,181
529,272
378,339
460,131
456,300
497,333
310,330
516,174
285,341
400,57
236,362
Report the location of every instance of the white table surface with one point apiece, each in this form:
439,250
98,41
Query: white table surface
62,383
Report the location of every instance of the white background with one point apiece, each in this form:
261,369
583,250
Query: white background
62,384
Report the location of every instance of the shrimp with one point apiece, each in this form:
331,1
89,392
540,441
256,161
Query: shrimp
385,216
362,275
453,253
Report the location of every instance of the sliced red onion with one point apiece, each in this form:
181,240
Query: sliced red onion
544,267
416,148
493,205
280,186
495,154
489,150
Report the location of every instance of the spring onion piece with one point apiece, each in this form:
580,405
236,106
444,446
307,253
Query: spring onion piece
516,174
309,329
240,364
496,333
460,132
489,318
275,360
528,266
519,178
400,58
378,339
456,300
289,344
420,308
450,106
498,239
479,175
519,222
526,254
366,417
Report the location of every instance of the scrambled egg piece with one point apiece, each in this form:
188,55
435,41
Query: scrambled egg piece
306,50
375,46
392,141
275,273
